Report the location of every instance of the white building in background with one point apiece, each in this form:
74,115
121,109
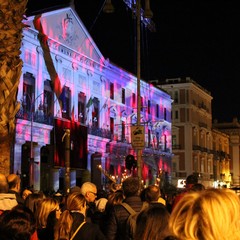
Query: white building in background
66,83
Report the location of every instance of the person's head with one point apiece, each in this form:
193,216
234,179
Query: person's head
75,189
89,191
130,186
25,193
75,202
32,201
198,187
191,180
45,207
3,184
16,224
152,223
209,214
14,182
116,197
152,193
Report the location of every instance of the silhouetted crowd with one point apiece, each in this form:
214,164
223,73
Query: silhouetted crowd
125,212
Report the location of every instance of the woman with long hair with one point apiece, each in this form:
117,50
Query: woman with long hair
48,213
72,224
207,215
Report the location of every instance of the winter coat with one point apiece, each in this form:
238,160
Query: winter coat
89,231
116,224
7,201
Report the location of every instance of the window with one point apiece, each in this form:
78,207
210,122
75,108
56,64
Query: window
133,100
165,113
142,107
81,107
111,91
176,97
28,92
112,127
149,107
48,103
65,97
157,110
123,95
95,113
123,131
176,114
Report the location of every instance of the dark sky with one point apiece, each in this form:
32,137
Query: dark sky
194,38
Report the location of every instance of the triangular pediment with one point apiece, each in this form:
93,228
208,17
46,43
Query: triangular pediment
65,26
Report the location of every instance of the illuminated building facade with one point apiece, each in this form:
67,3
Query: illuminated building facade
66,83
197,147
232,129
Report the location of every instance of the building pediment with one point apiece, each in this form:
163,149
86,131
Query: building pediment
65,27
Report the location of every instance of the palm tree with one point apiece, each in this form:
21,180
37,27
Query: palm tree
11,26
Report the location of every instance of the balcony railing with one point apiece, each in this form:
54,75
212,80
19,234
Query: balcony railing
38,116
100,132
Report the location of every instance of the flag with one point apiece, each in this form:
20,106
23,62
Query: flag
89,103
104,106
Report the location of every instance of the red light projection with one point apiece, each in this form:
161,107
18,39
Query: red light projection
78,138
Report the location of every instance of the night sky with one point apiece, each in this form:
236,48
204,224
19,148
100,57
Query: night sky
193,38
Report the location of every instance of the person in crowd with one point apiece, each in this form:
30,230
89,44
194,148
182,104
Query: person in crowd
197,187
32,201
17,224
117,222
89,191
153,195
115,198
72,225
190,181
75,189
48,213
99,215
14,183
207,215
25,193
32,219
7,200
152,223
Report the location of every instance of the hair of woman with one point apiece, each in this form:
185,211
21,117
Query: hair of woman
152,223
207,215
75,202
46,206
33,200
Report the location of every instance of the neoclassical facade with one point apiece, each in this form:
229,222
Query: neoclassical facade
197,147
67,84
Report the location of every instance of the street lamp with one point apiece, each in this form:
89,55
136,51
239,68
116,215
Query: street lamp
147,14
31,160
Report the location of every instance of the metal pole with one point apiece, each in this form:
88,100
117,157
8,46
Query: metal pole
67,160
31,162
139,152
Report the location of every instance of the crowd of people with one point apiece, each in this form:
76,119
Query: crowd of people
88,213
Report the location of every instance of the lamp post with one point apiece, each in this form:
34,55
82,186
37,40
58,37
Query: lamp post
139,151
31,160
108,8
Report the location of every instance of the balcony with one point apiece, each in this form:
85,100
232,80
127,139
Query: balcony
38,116
99,132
